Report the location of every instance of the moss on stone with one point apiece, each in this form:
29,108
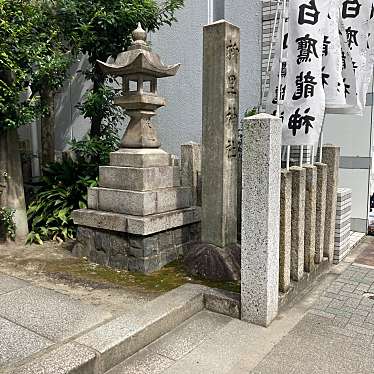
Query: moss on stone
170,277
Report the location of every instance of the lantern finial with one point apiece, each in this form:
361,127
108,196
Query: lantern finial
139,36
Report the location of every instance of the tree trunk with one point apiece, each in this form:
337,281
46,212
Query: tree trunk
96,120
13,195
48,127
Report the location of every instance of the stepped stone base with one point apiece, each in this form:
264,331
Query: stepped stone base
140,218
136,253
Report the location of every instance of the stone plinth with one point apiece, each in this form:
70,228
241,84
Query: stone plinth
310,217
331,157
320,210
261,172
285,231
140,218
297,222
134,252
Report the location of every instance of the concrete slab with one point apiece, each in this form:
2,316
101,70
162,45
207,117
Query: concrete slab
319,352
366,257
69,358
9,284
48,313
189,335
221,352
135,224
121,338
144,362
17,343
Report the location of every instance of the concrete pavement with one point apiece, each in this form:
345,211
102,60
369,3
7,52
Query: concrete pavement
33,319
330,329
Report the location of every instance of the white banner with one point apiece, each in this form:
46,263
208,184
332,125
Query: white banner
329,54
272,97
332,60
304,104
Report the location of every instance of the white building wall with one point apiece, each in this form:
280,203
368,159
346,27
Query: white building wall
354,135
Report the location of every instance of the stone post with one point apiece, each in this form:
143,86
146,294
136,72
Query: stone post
331,157
298,218
218,256
310,217
191,167
321,210
220,126
260,218
285,231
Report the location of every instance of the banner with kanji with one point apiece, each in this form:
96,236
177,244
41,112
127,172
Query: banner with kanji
356,17
327,65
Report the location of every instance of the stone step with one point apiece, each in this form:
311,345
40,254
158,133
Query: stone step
139,203
173,346
134,224
139,179
100,349
140,158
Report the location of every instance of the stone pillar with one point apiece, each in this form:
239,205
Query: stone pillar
320,210
297,222
285,231
260,218
331,157
310,217
220,126
191,167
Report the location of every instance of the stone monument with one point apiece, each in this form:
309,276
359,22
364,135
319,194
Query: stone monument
217,256
140,218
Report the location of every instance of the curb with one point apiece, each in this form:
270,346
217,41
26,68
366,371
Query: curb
102,348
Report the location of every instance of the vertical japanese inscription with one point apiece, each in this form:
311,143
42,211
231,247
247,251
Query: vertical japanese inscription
232,97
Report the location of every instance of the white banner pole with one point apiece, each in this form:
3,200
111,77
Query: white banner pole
270,52
288,157
281,57
301,155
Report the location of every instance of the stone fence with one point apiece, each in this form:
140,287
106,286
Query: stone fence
289,217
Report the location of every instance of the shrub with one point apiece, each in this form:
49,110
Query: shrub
63,189
7,223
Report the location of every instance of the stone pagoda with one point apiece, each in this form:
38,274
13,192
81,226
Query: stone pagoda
140,218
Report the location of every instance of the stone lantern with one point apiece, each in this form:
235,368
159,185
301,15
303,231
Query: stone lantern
140,217
139,68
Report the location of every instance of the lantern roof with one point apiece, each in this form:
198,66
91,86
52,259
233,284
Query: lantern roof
139,59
